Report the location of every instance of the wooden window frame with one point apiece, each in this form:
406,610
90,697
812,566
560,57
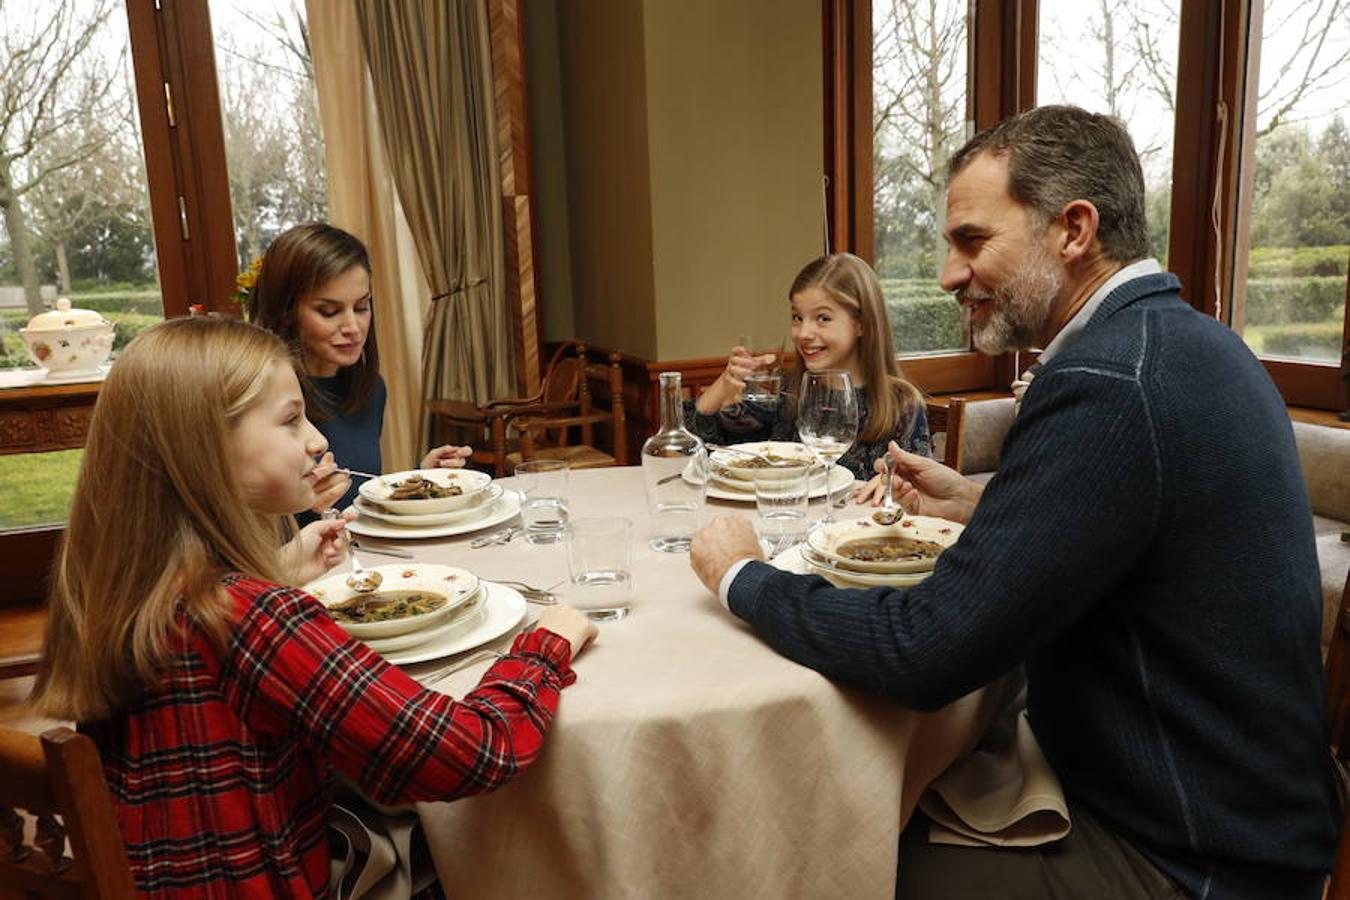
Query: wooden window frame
1215,124
1002,34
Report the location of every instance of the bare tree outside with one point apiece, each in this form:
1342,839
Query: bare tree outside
276,164
919,100
51,87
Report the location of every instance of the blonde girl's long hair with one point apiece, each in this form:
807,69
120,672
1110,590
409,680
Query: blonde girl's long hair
157,517
852,284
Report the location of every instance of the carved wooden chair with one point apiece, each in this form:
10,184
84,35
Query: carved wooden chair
58,779
944,417
540,426
1338,718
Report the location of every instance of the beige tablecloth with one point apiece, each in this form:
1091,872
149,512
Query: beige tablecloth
689,760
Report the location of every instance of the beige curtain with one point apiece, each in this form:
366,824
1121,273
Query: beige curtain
430,65
362,200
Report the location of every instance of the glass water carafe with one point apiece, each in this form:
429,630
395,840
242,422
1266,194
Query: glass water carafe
675,471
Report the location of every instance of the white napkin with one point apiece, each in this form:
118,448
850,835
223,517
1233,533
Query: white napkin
1003,793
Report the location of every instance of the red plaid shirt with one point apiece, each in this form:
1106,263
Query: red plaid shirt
222,775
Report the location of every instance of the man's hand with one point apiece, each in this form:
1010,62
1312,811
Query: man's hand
925,487
720,544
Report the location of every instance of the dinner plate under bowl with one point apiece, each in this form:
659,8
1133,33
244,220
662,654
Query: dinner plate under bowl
487,497
462,620
819,565
457,586
827,539
840,478
470,482
507,507
799,560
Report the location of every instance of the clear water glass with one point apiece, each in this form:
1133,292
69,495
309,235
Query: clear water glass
543,512
782,502
763,387
600,566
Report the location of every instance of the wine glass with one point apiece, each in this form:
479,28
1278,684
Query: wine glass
827,420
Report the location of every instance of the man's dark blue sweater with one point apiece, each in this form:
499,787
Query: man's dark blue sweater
1146,550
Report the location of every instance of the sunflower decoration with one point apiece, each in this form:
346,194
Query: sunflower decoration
243,285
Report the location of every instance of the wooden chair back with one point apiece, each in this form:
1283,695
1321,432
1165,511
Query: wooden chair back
549,435
58,780
944,417
1338,720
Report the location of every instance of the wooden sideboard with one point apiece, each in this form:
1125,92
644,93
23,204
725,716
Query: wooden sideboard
35,419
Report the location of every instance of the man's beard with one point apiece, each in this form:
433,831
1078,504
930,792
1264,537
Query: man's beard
1021,305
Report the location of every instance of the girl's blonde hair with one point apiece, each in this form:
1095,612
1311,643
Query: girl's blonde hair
157,517
852,284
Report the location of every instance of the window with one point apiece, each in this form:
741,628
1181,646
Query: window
1119,59
75,204
1293,296
919,53
275,162
1255,223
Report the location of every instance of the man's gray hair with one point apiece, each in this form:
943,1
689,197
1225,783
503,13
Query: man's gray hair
1057,154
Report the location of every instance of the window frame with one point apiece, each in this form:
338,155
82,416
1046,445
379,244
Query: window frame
1214,133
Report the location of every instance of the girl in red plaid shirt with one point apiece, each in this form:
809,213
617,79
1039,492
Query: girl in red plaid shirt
222,698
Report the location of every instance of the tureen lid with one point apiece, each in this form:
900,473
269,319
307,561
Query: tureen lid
63,317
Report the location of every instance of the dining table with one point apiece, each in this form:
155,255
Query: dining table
689,759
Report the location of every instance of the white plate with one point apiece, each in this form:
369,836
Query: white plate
839,478
470,481
489,496
506,508
505,609
827,539
465,620
792,560
457,586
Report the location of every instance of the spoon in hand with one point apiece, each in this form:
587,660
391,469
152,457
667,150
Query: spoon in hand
360,580
890,511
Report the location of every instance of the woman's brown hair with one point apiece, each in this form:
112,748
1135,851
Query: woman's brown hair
852,284
301,260
157,516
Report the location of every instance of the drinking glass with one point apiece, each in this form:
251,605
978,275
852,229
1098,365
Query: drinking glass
827,420
782,501
544,510
599,562
763,384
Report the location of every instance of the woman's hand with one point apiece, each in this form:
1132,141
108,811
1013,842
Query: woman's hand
317,548
728,386
925,487
572,626
330,485
446,457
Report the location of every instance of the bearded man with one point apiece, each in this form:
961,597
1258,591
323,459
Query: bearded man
1145,551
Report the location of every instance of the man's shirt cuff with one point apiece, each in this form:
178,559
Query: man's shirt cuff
724,589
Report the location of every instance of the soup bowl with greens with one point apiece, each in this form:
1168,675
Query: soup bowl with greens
411,596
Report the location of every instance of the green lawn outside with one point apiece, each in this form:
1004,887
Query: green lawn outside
35,488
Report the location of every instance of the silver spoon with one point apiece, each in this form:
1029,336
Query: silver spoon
360,580
890,511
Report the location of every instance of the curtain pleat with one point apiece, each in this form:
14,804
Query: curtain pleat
430,66
361,199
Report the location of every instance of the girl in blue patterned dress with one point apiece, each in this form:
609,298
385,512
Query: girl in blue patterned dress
838,322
